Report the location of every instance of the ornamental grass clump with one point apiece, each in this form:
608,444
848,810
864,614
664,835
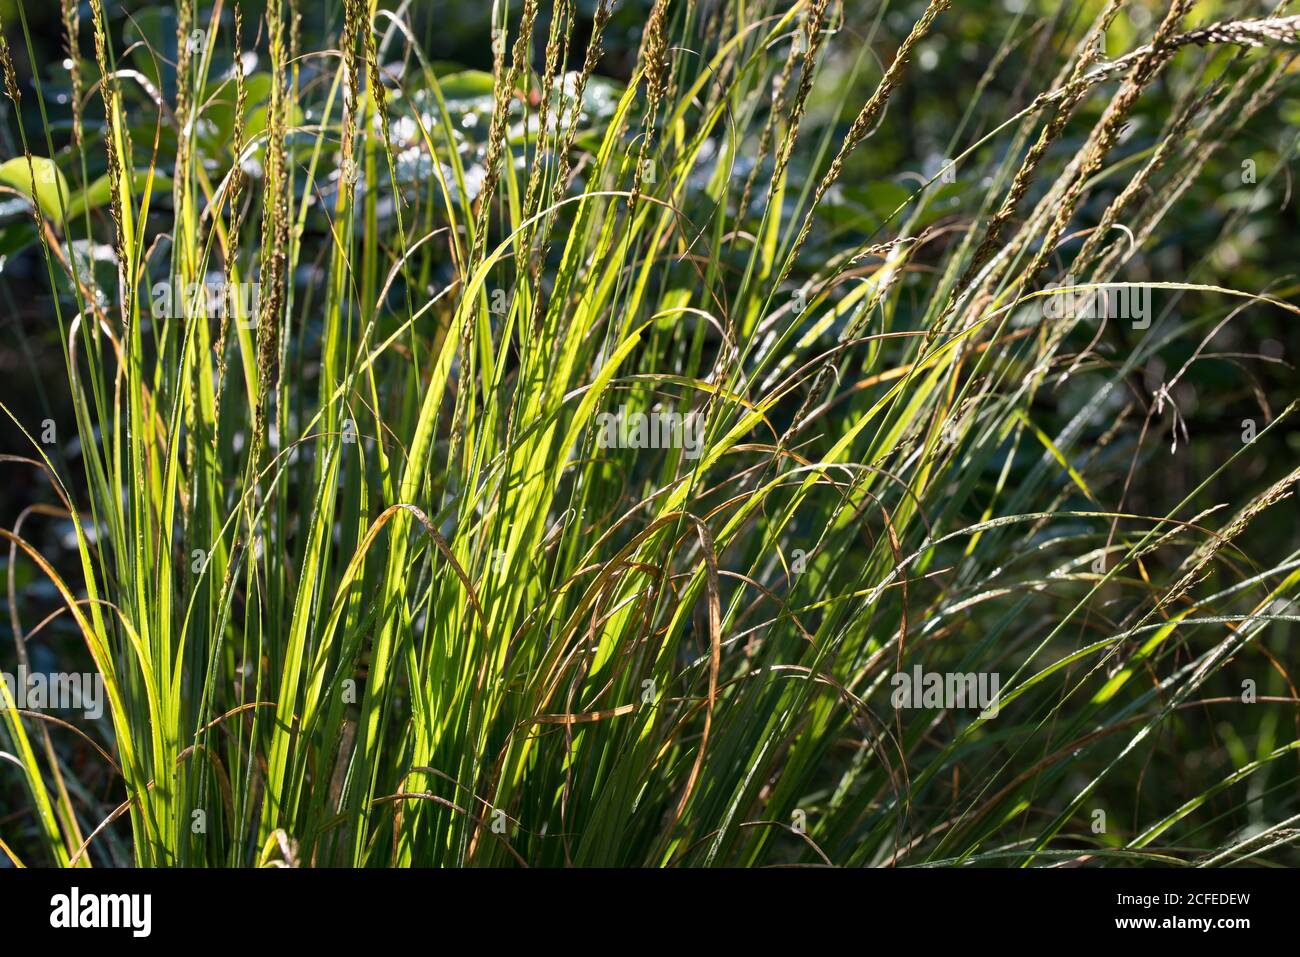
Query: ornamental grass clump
564,462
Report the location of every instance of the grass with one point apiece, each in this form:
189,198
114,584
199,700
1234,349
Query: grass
364,587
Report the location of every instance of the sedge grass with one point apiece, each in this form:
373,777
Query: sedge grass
366,589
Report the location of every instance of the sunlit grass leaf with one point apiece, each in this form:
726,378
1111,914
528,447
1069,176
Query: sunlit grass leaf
40,180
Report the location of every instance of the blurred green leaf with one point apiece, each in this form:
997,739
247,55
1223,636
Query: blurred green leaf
38,179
